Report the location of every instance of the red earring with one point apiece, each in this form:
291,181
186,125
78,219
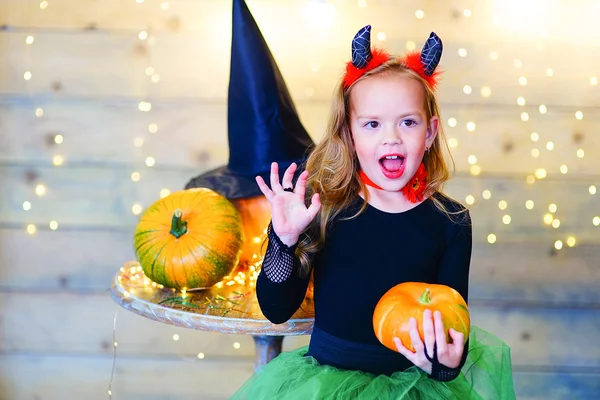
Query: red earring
415,188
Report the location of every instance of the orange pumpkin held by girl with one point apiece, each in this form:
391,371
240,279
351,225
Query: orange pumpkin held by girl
408,300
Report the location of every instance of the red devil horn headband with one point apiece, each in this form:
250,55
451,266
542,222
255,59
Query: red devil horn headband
365,59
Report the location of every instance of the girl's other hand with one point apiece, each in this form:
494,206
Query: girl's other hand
448,354
290,216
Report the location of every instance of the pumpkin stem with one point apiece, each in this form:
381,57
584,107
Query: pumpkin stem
425,297
178,226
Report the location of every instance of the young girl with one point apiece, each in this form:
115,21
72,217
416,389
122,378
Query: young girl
376,217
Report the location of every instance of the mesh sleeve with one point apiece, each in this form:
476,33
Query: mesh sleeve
278,263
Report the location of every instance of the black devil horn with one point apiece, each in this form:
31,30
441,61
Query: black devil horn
361,47
431,53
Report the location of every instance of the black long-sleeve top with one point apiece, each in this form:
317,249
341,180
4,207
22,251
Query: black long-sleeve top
363,258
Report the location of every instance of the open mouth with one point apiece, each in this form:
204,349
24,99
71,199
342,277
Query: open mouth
392,165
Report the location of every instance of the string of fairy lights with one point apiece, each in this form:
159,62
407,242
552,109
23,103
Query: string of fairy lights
548,217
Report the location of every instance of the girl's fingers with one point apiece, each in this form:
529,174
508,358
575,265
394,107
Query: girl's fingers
428,332
300,189
288,176
415,338
458,341
440,334
315,205
404,351
275,185
264,188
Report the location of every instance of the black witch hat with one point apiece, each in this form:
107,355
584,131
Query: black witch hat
263,125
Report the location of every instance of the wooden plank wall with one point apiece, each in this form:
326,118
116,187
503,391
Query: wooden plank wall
56,315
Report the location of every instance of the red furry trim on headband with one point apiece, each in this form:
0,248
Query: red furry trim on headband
353,73
412,60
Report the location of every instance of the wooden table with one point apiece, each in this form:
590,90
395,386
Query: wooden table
222,308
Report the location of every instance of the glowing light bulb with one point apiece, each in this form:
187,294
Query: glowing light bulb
592,189
491,238
502,204
31,229
550,146
530,179
472,159
571,241
580,153
143,35
420,14
153,128
58,139
453,142
486,91
381,36
558,244
475,170
58,160
521,101
44,5
467,13
494,55
524,117
29,40
236,345
593,81
548,218
529,204
522,81
556,224
175,337
164,193
136,209
470,199
452,122
39,112
53,225
549,72
135,176
540,173
486,194
596,221
149,71
26,206
543,109
27,75
201,356
471,126
579,115
410,45
535,153
467,89
506,219
462,52
564,169
138,142
150,161
552,208
40,190
144,106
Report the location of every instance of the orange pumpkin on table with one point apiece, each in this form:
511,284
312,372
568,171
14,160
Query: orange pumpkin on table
407,300
190,239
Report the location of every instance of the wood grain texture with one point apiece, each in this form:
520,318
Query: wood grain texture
511,272
104,196
27,376
193,133
29,325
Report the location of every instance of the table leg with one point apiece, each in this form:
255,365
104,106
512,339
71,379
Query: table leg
267,348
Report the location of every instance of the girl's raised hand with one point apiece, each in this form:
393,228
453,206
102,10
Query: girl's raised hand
448,354
290,216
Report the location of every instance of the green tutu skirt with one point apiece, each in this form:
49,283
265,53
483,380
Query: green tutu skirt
486,375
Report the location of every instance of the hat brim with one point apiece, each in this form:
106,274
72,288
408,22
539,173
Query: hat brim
233,185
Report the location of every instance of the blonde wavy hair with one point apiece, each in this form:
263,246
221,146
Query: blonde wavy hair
334,168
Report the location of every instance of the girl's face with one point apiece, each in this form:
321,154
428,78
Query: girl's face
390,128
